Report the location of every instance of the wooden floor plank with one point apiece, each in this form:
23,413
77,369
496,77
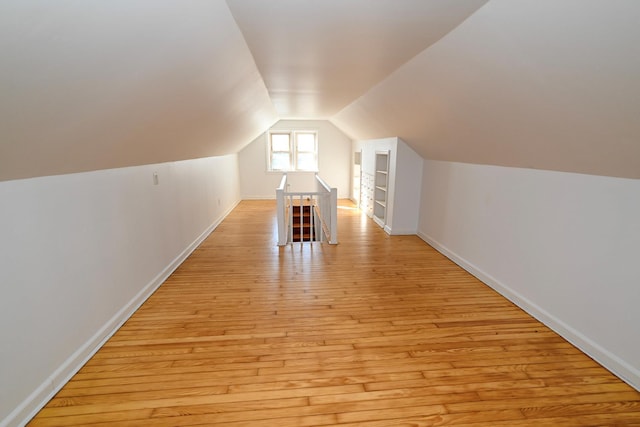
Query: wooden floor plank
377,331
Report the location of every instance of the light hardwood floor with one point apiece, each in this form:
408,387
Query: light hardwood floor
376,331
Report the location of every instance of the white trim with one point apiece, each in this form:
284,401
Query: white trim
24,412
608,360
399,232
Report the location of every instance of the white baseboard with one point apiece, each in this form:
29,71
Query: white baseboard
619,367
274,197
259,197
42,394
399,232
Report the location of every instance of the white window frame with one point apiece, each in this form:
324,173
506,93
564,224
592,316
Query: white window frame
293,150
270,150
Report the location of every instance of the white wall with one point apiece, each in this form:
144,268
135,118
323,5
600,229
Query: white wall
407,189
334,162
79,252
563,246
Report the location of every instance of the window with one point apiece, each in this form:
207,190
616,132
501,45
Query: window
293,151
280,148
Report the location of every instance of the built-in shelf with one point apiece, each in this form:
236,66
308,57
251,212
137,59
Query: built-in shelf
392,187
381,182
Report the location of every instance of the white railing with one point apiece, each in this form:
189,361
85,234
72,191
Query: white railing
322,205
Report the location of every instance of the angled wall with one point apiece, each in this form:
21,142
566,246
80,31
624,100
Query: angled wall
80,252
562,246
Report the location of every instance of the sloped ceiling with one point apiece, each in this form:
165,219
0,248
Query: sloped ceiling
89,85
541,84
318,56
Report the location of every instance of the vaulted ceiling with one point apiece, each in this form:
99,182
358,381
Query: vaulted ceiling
540,84
316,57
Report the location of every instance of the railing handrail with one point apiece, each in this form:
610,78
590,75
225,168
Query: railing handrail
283,182
304,193
322,183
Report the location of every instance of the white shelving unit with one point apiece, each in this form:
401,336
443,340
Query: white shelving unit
381,183
391,184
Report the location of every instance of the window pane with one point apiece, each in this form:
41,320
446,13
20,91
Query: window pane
307,161
280,161
306,141
280,142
